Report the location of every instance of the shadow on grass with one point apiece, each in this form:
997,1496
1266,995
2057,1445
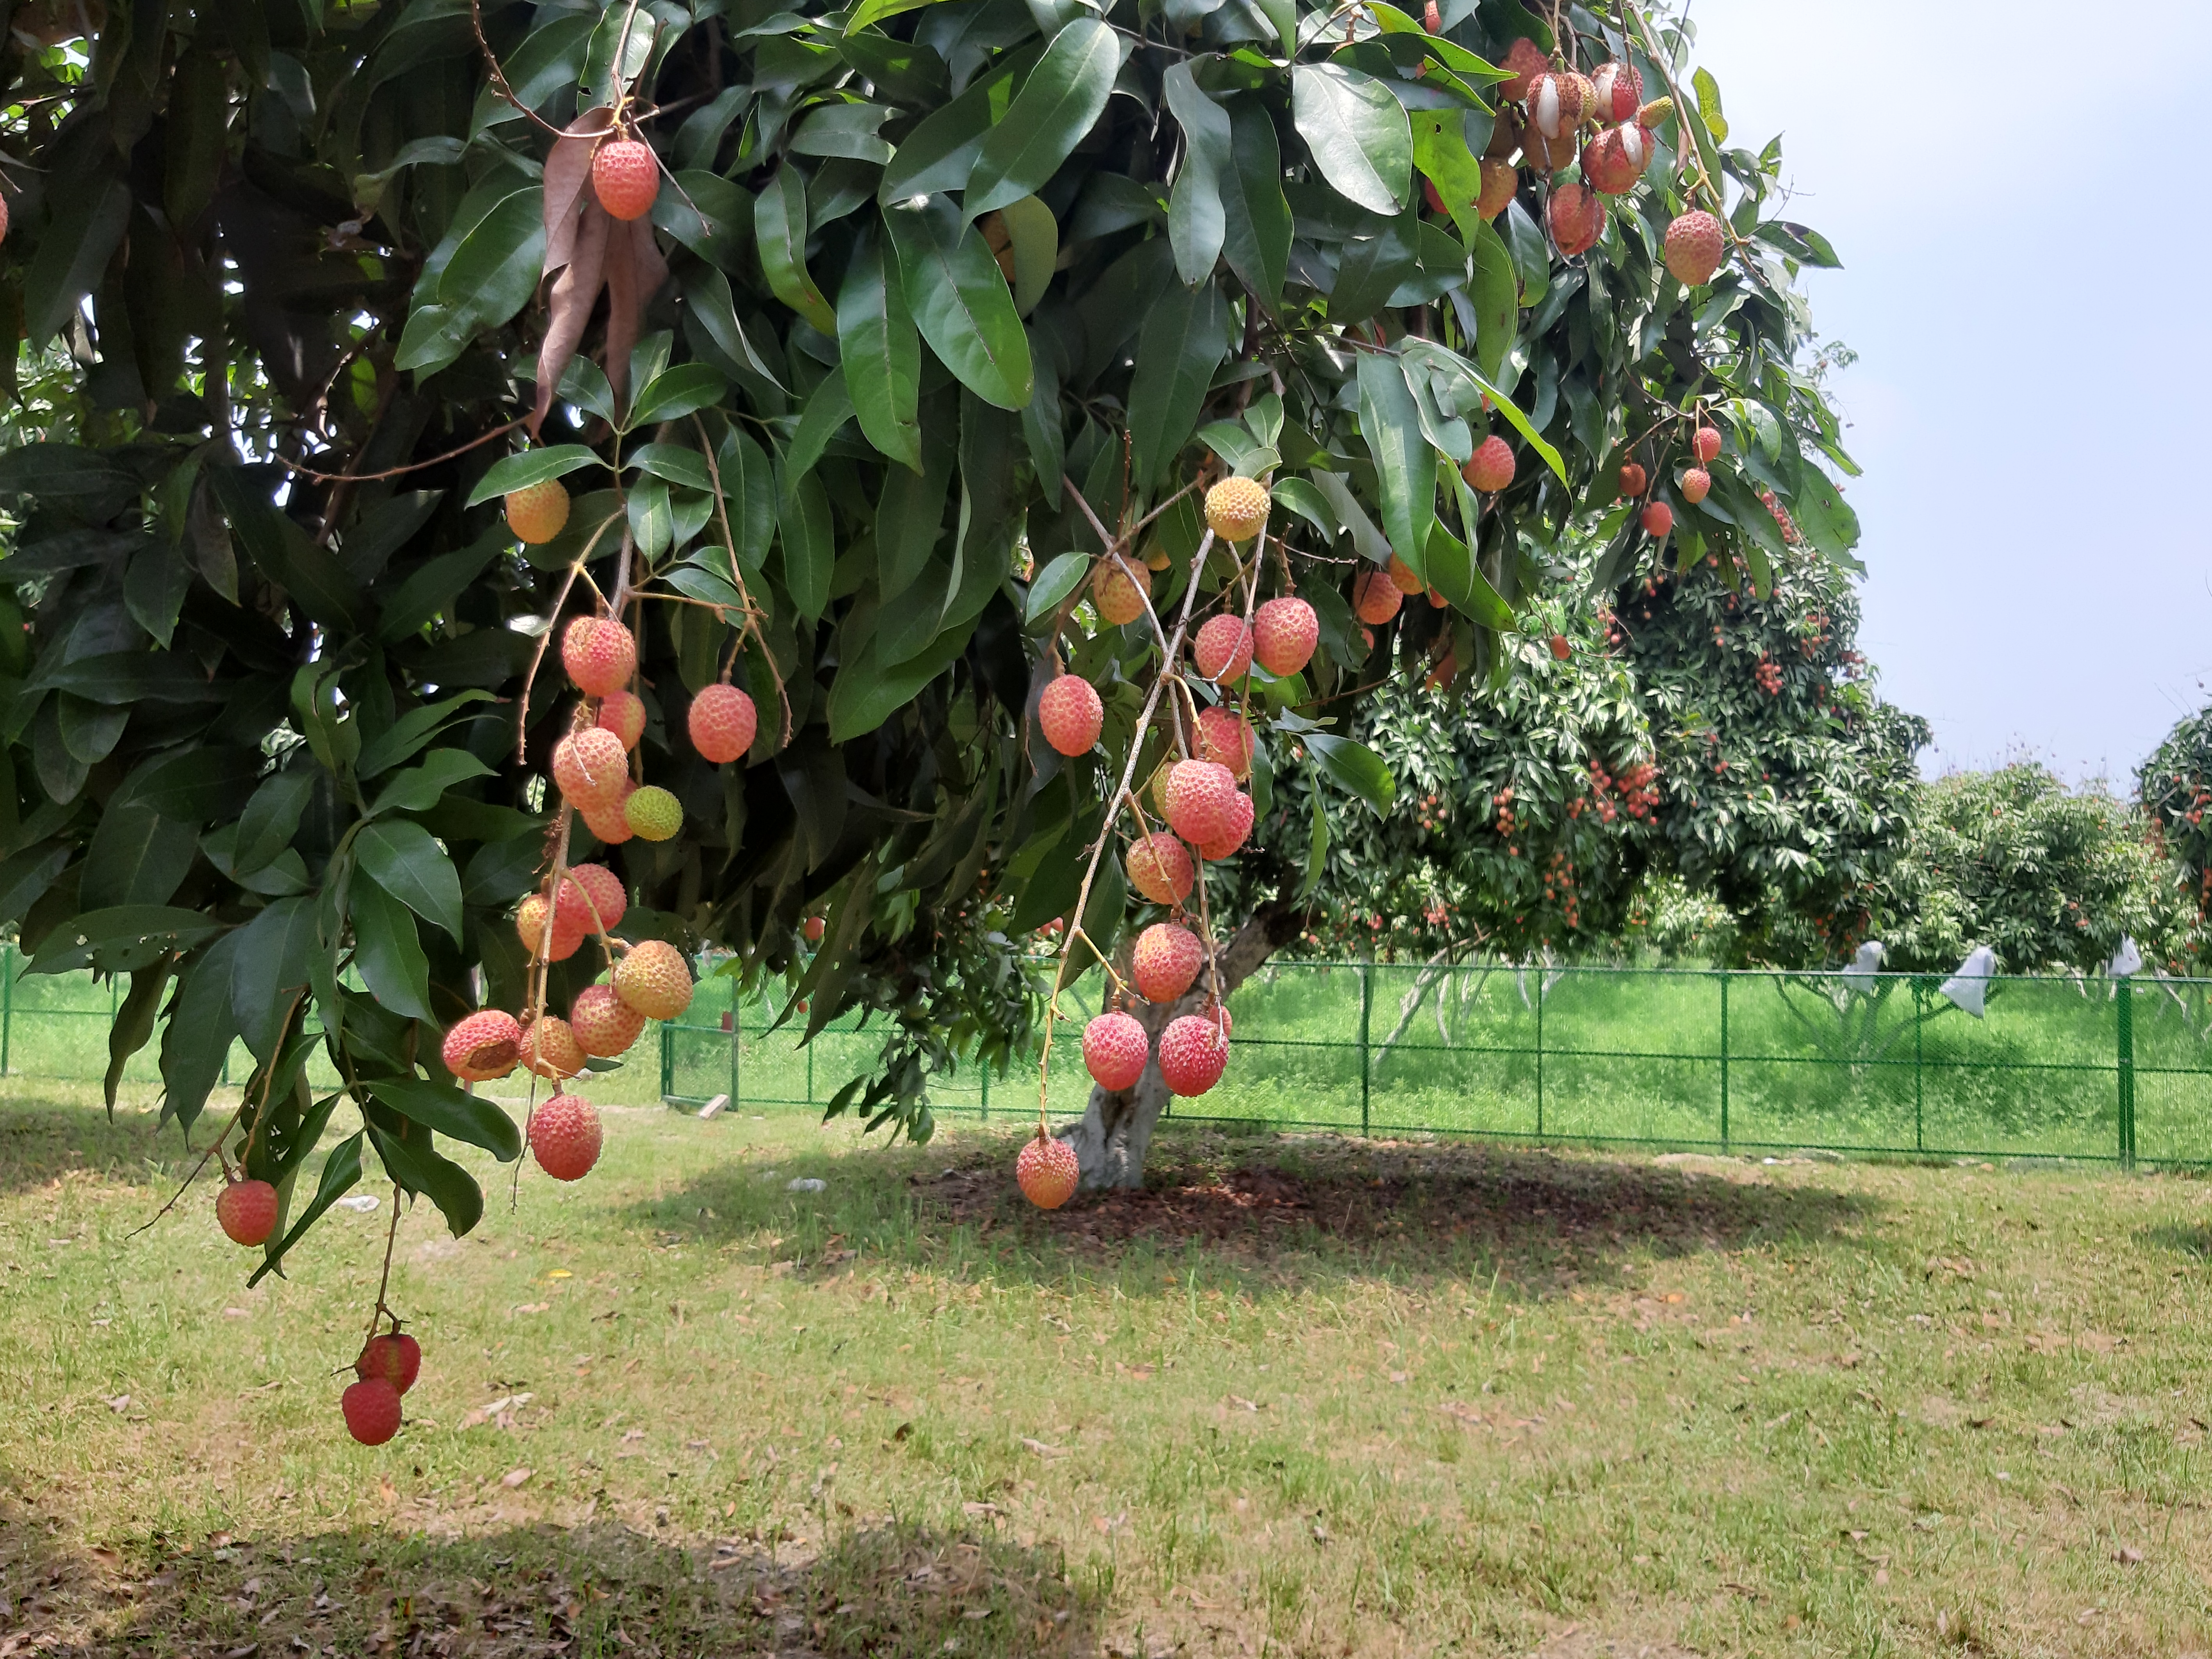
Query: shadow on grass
599,1589
42,1139
2193,1242
1287,1207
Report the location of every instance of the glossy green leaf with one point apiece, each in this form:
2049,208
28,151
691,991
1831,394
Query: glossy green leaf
1256,223
960,302
673,462
1316,848
1053,584
1183,341
846,130
386,950
269,970
413,1163
87,224
748,486
419,788
881,352
401,858
446,1110
341,1171
1355,769
827,410
1709,105
675,393
414,729
1357,131
1196,222
1405,464
529,466
810,550
780,231
1062,100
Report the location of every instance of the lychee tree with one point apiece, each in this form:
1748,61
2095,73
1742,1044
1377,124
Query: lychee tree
857,361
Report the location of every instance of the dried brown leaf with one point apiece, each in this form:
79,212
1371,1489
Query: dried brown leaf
635,271
567,172
576,290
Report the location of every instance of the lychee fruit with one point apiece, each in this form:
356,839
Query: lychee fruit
1500,180
1115,1050
1527,61
536,512
1232,836
1225,736
1237,508
1490,469
1199,796
246,1212
814,927
599,653
483,1046
1070,715
1375,598
1047,1171
1560,649
653,813
1632,478
1120,588
1159,867
1284,633
1555,101
1165,960
1695,247
564,1137
1504,136
604,1024
1706,443
723,723
1433,17
1403,576
1192,1054
530,928
1694,484
1223,649
592,897
371,1410
1618,89
1658,520
393,1355
1436,601
625,178
622,712
591,768
607,822
1547,156
1577,215
1615,159
551,1050
654,979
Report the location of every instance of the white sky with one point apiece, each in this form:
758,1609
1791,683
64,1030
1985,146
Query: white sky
2015,192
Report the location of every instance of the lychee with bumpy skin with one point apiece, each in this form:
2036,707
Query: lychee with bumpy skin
1618,89
1632,478
1403,577
1159,867
1239,825
653,813
1120,587
625,178
607,822
590,768
246,1212
371,1410
1192,1054
1199,794
1070,715
1223,649
564,1137
605,1024
622,712
814,927
1658,520
1547,155
1375,597
1115,1050
536,512
654,979
1284,633
723,723
1165,960
1527,61
1695,247
592,897
1560,649
1615,159
1556,102
393,1355
1576,215
1237,508
1504,138
1694,484
1047,1171
530,928
484,1046
1158,786
1499,182
599,653
1705,444
1490,469
1225,736
551,1050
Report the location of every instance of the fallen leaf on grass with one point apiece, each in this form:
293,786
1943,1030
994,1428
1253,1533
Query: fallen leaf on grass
514,1477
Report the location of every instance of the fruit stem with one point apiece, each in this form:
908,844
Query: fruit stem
753,621
498,75
391,1236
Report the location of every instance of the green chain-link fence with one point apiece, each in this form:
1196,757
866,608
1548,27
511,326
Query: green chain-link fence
2106,1069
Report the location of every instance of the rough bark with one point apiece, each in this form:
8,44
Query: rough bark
1116,1130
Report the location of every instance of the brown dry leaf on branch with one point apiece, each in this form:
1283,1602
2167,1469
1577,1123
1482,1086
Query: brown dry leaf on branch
587,249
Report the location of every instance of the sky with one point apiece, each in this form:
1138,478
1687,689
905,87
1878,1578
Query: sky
2014,206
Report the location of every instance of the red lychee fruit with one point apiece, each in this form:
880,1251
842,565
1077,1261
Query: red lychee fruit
622,712
536,513
1694,482
1165,960
1432,20
1047,1171
1620,91
1615,159
592,897
1192,1054
1706,443
1403,576
564,1137
1695,247
591,768
1159,867
394,1356
814,927
1631,479
1527,61
483,1046
1375,597
1115,1050
654,979
1070,715
625,178
1658,520
605,1024
1504,136
1199,796
1436,600
551,1050
599,653
1547,156
1232,837
1556,102
723,723
1429,193
1490,469
1225,736
246,1212
1577,215
1120,587
607,822
1499,182
371,1410
529,927
1560,649
1223,649
1284,633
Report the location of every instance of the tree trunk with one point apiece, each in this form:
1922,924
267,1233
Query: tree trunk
1116,1130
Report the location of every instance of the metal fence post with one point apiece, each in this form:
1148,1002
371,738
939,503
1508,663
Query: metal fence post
737,1045
810,1074
2126,1021
667,1059
1366,1005
1724,1076
1540,1051
7,1003
1919,1086
987,1090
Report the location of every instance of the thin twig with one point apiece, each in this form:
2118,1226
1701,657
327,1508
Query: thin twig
391,1237
297,471
499,75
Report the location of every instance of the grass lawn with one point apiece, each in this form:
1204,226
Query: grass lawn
1304,1396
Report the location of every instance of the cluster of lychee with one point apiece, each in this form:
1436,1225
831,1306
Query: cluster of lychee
389,1363
1695,482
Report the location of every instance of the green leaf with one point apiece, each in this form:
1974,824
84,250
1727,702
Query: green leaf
1053,584
272,965
845,129
828,408
1256,223
433,586
959,301
625,32
271,817
1405,464
1061,101
518,472
401,858
88,222
1034,234
749,483
503,871
134,1024
1317,846
1183,341
494,272
780,230
387,952
196,785
419,788
675,393
1355,769
910,513
940,152
1821,512
135,857
197,1037
1196,221
1494,295
1358,132
341,1170
706,297
678,465
1709,105
413,729
865,693
419,1169
448,1110
882,354
809,548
